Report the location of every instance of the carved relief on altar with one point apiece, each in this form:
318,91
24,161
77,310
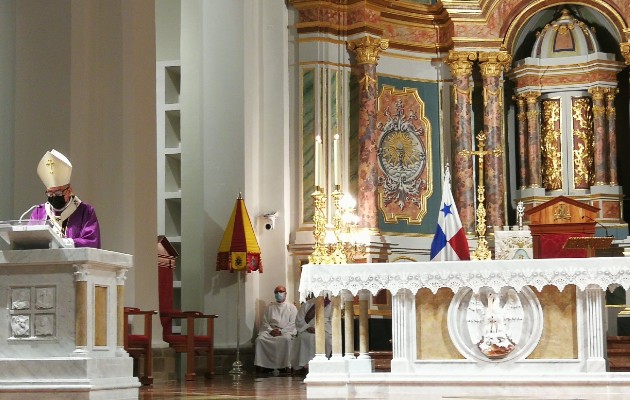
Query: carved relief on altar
495,326
32,312
582,142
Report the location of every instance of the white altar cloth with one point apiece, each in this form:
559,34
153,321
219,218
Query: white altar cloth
584,377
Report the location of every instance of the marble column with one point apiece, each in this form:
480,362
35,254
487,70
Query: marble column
367,51
120,312
595,302
81,310
336,327
461,63
348,319
611,120
493,64
521,115
364,336
599,135
403,331
533,133
320,328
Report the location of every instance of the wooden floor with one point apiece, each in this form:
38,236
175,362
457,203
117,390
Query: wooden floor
226,387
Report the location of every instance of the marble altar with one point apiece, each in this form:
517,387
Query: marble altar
478,328
61,328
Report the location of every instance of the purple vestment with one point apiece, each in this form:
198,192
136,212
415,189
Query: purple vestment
82,225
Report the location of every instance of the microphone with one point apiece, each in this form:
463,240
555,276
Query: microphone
26,212
598,223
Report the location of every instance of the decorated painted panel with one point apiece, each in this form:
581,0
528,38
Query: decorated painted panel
404,155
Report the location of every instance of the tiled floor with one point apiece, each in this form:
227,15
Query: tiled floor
226,387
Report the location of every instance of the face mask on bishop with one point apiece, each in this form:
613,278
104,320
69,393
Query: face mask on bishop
57,202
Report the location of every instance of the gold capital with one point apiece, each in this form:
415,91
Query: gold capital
461,62
625,51
531,97
368,48
492,64
597,93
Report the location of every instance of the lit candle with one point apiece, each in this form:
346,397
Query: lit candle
335,162
318,142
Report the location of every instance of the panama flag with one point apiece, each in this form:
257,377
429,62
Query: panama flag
449,242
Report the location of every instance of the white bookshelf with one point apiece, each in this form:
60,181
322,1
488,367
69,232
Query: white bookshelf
169,160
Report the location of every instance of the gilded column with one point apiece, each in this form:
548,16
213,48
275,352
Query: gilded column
533,133
521,116
493,64
367,51
611,117
599,135
462,138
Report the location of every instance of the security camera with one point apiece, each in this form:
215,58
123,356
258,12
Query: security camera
270,220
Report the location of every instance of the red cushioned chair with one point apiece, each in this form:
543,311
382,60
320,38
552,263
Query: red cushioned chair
139,345
189,342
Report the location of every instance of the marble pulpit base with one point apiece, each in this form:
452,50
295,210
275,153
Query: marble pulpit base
70,378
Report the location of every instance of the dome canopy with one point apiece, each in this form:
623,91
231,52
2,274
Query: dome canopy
565,37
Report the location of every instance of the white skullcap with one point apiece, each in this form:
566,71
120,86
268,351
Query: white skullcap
54,169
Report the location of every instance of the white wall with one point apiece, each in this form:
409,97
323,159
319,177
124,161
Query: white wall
85,85
7,110
234,139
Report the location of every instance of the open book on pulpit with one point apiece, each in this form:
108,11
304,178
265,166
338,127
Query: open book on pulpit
30,234
590,244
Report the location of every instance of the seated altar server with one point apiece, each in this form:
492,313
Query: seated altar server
72,219
273,344
304,343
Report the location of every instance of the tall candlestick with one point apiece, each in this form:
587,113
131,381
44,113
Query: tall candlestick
335,159
318,142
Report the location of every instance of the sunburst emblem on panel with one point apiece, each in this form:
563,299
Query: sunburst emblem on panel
403,155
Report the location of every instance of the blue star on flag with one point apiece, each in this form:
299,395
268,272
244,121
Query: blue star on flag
446,210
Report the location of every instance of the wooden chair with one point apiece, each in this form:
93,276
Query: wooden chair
139,345
189,342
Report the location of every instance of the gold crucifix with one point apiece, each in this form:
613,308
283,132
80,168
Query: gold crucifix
481,252
50,164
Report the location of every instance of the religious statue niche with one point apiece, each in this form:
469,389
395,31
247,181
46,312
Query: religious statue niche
404,156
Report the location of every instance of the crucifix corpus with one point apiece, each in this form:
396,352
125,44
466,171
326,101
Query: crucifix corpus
481,252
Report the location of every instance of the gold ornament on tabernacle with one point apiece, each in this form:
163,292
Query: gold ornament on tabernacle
582,143
368,49
550,146
561,212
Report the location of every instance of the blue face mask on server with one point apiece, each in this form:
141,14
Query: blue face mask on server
280,296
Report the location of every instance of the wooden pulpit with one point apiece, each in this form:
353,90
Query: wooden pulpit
590,244
554,222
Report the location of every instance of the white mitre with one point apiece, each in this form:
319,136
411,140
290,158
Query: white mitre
54,169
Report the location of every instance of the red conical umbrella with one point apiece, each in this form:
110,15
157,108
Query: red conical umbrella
239,248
